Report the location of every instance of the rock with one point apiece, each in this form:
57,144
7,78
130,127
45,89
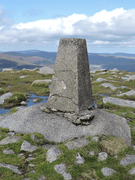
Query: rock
57,129
7,69
79,159
107,171
115,69
11,133
46,70
35,100
21,77
61,169
132,171
26,146
10,140
6,151
95,139
30,158
91,153
102,156
52,153
20,155
31,165
71,91
34,137
77,143
23,103
93,71
41,81
42,177
109,85
100,80
118,101
132,77
5,96
14,168
48,146
129,93
127,160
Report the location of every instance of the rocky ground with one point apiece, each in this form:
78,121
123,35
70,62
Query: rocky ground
35,156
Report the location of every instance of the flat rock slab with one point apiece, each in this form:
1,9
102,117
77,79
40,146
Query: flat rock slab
14,168
52,153
100,80
26,146
120,102
10,140
59,129
127,160
109,85
129,93
77,143
132,77
5,96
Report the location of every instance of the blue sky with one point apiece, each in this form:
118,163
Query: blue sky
107,26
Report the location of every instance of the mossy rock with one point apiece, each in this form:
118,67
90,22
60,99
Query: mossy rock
113,145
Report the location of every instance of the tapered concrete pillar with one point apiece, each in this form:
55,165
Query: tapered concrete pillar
71,87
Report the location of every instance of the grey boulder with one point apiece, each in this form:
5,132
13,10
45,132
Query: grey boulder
26,146
5,96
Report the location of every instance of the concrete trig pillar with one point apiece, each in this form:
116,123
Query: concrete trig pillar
71,87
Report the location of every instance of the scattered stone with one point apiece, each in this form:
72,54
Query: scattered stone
5,96
77,143
25,179
120,102
127,160
34,137
61,169
26,146
102,156
7,69
14,168
79,159
129,93
35,100
30,155
42,177
100,80
20,155
10,140
71,91
32,165
52,153
23,103
91,153
11,133
107,171
132,171
132,77
21,77
0,135
46,70
109,85
33,171
95,139
93,71
39,82
6,151
115,69
30,158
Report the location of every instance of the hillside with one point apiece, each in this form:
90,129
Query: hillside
35,58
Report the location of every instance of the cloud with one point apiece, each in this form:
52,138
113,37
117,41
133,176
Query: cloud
114,28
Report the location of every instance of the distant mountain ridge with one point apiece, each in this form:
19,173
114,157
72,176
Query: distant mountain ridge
37,58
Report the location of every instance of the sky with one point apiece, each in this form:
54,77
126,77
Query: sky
108,26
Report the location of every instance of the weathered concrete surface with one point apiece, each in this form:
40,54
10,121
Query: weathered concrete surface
58,129
71,87
120,102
